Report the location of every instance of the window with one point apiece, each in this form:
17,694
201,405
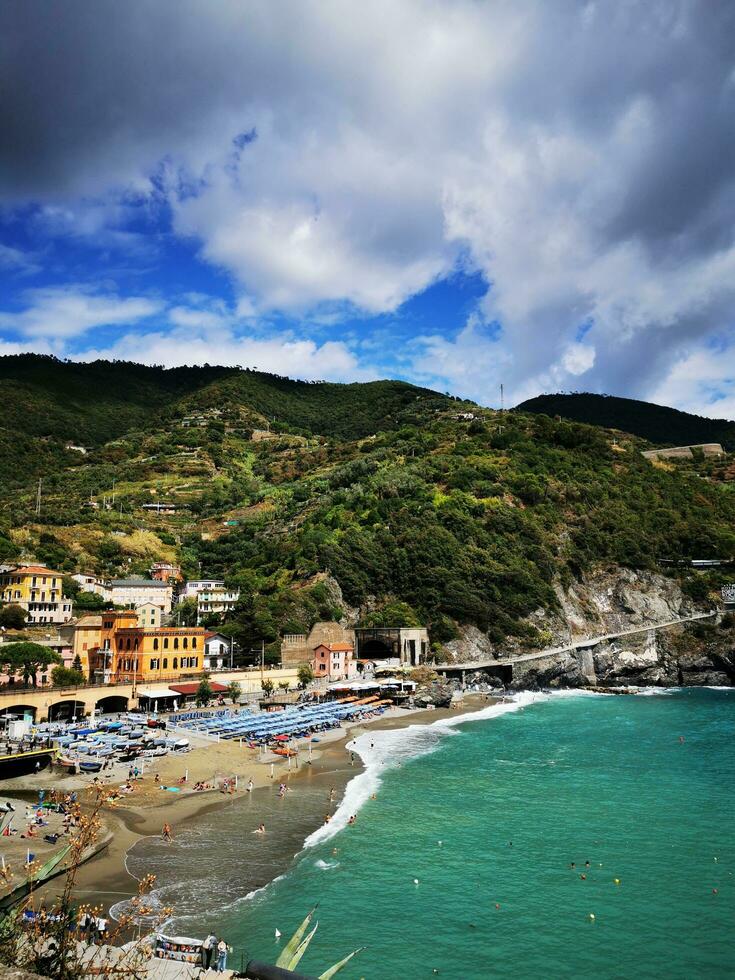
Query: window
155,643
194,642
176,663
165,643
186,642
154,663
195,661
165,663
176,643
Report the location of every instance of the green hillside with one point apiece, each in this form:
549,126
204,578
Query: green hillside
48,403
376,497
658,424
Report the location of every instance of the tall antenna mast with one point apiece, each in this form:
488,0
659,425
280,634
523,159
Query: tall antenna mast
38,499
502,400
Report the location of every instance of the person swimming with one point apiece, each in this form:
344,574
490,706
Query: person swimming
260,830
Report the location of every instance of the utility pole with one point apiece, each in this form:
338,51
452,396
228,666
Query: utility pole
502,399
113,492
38,500
262,661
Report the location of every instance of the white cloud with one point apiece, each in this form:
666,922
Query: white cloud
18,261
701,381
580,156
62,312
280,353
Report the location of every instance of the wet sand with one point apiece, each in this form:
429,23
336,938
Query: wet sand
104,880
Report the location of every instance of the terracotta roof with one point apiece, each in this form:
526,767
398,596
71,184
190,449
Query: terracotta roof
193,688
335,647
33,570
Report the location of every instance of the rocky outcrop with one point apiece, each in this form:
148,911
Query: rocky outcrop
689,655
436,694
606,599
470,645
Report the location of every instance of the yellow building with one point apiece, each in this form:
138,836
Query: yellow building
165,653
37,590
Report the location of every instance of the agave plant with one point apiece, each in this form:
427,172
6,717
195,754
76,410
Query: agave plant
298,944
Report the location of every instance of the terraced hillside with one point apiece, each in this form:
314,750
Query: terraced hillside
381,502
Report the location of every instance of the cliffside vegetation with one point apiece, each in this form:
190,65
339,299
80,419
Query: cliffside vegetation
380,498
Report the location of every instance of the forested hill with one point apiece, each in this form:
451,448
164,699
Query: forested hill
47,403
387,503
658,424
95,402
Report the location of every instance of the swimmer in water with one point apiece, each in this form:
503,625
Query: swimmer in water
260,830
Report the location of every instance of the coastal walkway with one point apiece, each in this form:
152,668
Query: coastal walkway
505,665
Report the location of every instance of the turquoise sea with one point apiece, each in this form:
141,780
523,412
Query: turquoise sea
461,863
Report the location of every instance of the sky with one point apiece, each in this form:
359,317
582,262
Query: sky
457,193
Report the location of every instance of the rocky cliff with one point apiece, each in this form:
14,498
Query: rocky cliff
690,655
609,600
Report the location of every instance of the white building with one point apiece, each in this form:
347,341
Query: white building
90,583
193,588
215,601
218,651
134,592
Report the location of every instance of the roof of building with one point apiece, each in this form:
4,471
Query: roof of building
157,692
33,570
135,581
165,630
193,688
336,647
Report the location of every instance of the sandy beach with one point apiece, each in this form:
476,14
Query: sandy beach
104,879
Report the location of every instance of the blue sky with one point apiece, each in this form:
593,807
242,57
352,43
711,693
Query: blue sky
456,194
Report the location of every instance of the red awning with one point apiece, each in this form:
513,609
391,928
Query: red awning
282,738
193,688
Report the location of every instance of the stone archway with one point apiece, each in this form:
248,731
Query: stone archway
20,710
111,704
66,710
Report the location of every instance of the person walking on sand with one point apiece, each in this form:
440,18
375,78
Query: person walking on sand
208,949
166,833
222,948
249,786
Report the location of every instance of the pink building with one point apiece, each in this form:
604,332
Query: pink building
334,661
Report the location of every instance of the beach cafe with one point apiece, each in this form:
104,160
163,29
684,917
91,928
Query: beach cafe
396,689
171,697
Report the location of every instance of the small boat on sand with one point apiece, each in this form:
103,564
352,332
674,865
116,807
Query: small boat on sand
90,766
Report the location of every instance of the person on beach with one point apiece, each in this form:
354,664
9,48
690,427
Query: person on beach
249,787
166,833
208,949
222,949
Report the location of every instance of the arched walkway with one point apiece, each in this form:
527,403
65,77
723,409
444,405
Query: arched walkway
66,710
19,710
111,704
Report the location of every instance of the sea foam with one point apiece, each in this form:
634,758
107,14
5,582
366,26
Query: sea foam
390,748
